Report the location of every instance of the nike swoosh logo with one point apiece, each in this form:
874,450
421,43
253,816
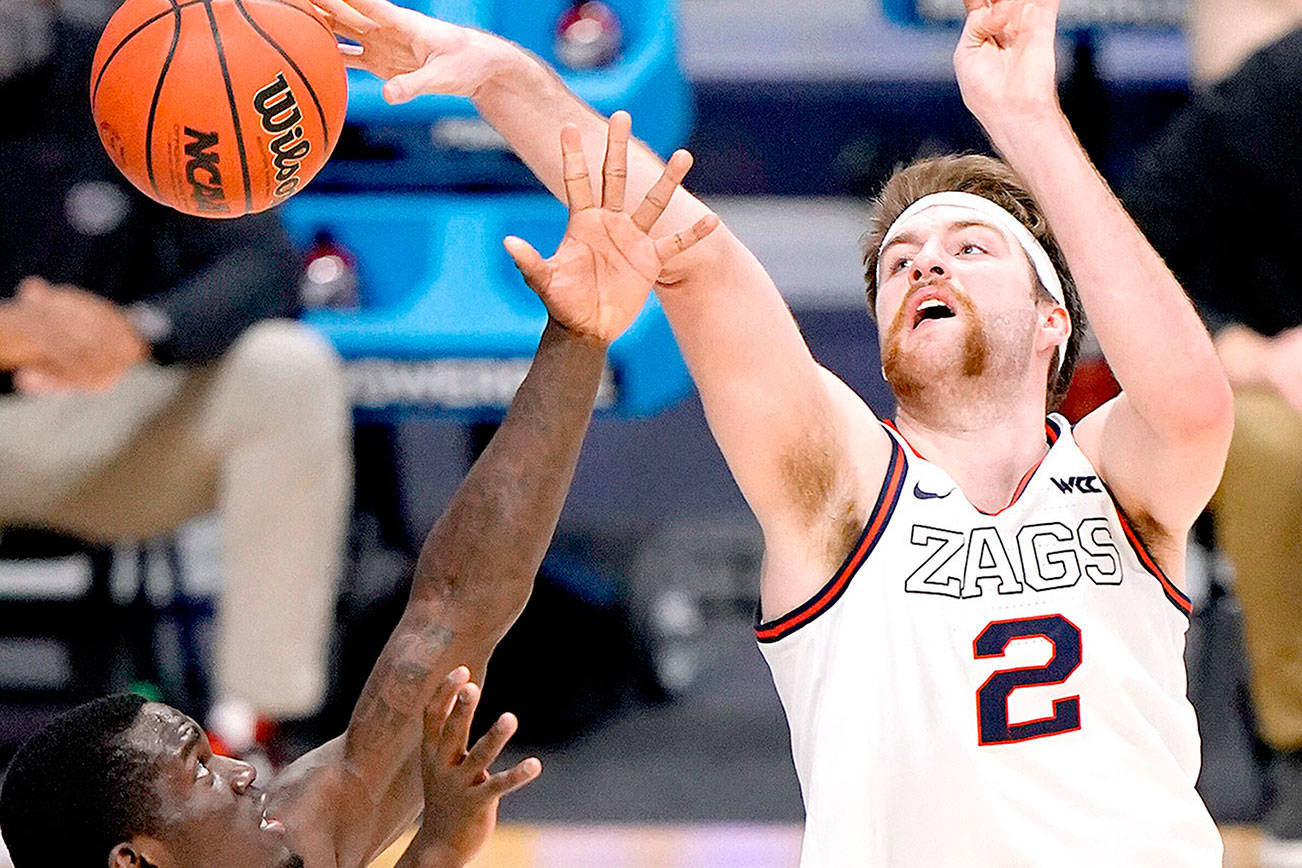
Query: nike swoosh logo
928,495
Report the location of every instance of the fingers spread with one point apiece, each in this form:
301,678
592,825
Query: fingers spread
578,186
532,266
672,245
514,778
489,746
614,173
456,732
440,704
657,198
437,709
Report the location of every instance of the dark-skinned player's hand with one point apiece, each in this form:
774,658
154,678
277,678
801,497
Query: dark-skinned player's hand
597,281
461,794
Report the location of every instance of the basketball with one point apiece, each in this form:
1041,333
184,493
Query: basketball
218,108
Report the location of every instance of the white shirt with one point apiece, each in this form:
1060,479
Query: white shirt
994,689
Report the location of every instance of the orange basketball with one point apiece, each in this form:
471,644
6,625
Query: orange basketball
218,108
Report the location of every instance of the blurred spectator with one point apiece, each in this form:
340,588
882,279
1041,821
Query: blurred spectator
1220,194
157,376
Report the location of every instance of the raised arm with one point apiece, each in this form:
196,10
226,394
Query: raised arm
1161,445
785,425
477,565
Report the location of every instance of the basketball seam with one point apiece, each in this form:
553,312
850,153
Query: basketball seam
325,127
114,53
235,114
158,92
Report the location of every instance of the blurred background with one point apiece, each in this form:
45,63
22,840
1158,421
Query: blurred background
634,669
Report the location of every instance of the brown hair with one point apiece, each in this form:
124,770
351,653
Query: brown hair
994,180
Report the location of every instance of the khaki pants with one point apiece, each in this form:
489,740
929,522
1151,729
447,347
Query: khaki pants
263,436
1258,511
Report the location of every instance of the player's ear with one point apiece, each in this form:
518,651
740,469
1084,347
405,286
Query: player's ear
1055,328
141,851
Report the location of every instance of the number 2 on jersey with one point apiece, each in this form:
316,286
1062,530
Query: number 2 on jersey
993,726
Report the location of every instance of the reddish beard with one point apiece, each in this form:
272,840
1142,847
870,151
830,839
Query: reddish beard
900,369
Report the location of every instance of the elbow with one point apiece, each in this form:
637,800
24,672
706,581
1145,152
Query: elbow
1205,411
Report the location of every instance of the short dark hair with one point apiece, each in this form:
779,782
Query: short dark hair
77,788
991,179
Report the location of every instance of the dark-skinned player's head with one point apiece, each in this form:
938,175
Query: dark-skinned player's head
990,179
127,783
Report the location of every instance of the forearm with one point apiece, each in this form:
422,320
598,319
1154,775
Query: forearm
477,566
528,104
487,546
757,379
1150,334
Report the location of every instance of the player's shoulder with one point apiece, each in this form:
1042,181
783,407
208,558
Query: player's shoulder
311,798
867,450
800,556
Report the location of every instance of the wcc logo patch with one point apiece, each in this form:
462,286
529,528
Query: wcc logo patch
1081,484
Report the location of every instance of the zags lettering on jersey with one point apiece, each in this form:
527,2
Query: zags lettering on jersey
1042,556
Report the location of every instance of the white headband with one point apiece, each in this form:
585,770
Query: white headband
1001,219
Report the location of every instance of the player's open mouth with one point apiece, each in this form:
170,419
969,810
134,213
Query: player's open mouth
931,308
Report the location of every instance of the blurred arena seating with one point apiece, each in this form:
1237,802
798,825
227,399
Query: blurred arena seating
441,322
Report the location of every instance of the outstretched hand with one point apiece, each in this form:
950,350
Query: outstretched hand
461,795
414,53
1005,62
601,274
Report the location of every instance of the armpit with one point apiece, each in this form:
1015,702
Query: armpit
1164,548
809,478
818,492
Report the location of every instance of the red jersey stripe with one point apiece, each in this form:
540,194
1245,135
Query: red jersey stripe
1174,594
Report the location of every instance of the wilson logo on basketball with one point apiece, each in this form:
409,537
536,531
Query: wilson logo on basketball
202,172
280,114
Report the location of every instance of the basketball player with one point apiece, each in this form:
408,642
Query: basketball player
974,617
130,784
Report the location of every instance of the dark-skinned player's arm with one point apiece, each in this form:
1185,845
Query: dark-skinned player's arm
1161,444
799,442
477,565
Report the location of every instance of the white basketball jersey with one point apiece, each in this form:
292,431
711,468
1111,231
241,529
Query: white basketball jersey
999,689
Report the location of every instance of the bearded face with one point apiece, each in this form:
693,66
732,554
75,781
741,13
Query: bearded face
957,304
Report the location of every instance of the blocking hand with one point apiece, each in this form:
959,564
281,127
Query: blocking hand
601,274
1005,61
